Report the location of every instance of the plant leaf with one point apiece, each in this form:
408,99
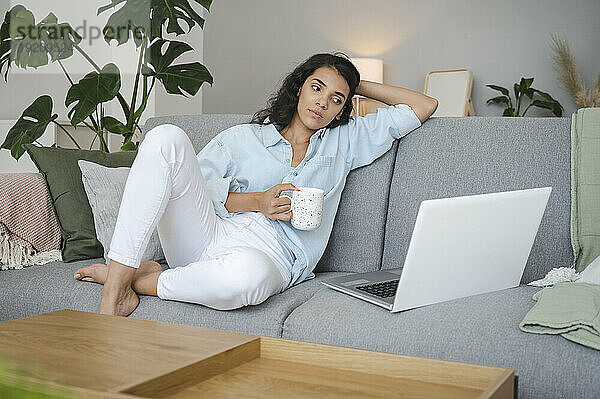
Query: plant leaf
186,77
149,16
5,39
25,50
546,96
542,104
509,112
28,45
557,108
93,89
175,78
160,60
498,100
133,17
30,126
499,88
525,84
128,146
114,126
553,106
174,11
113,4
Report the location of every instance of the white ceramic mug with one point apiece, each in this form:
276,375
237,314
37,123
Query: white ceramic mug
307,207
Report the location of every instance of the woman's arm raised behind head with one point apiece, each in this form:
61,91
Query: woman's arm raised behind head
422,105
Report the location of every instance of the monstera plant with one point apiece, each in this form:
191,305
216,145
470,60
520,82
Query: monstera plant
30,44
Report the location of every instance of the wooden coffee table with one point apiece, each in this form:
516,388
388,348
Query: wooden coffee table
101,356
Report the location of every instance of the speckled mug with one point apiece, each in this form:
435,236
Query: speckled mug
307,207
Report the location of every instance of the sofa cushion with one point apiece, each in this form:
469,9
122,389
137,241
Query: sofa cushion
361,212
63,176
45,288
449,157
200,128
481,329
360,219
104,189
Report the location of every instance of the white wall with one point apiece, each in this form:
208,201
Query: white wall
249,46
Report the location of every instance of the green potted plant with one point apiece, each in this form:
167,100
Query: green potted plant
30,44
522,89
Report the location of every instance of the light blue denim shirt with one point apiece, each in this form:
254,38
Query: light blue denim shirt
253,157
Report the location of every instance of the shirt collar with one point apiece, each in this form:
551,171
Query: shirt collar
271,135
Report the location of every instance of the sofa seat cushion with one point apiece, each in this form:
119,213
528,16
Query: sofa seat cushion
264,319
481,329
45,288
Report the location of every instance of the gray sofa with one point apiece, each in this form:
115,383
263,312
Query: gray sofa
445,157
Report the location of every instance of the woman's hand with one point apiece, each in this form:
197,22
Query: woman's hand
273,206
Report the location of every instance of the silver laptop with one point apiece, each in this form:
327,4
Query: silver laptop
460,246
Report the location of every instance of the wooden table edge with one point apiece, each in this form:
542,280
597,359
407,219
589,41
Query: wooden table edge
268,347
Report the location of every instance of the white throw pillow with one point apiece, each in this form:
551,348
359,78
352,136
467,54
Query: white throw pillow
104,188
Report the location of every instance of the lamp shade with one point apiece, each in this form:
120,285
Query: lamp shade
370,69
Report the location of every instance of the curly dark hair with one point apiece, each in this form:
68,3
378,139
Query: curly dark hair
283,104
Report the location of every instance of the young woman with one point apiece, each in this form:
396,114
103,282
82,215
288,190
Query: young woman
224,229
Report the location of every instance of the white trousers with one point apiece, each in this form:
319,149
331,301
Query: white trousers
222,263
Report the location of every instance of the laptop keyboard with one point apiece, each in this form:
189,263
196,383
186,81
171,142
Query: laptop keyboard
385,289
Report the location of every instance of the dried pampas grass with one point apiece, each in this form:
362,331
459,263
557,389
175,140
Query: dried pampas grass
564,63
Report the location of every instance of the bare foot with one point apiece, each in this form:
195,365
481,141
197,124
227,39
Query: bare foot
122,303
98,272
149,266
95,273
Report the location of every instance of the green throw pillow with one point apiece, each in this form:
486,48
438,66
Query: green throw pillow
63,177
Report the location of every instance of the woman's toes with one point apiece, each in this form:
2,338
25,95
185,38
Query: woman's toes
96,273
80,274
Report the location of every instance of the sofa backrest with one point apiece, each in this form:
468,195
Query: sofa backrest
356,241
448,157
200,128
